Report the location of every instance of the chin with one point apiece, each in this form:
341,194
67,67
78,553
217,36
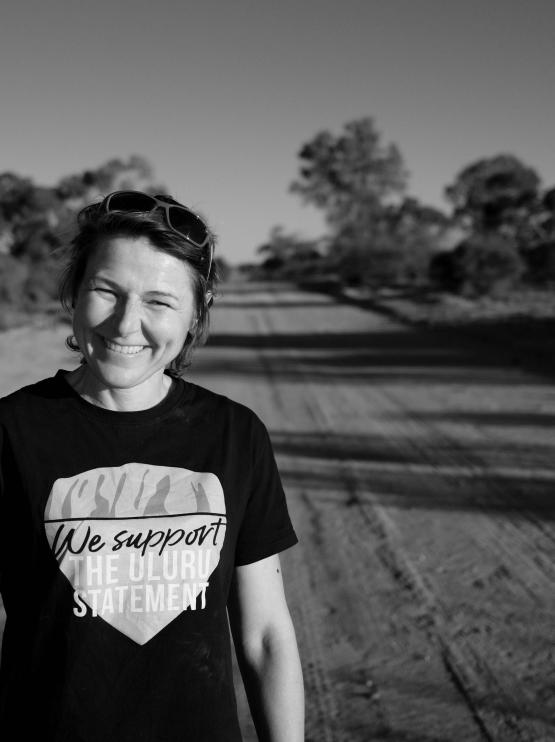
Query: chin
115,377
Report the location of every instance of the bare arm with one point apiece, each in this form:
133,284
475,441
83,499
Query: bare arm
267,651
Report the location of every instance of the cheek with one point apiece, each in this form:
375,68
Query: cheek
179,331
87,314
167,332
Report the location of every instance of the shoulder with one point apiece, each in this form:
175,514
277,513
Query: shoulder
218,403
33,410
217,409
32,395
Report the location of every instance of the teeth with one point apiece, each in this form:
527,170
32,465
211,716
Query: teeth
127,350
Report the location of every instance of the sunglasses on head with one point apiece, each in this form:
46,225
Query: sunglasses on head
178,217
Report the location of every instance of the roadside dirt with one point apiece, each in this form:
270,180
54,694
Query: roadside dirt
421,480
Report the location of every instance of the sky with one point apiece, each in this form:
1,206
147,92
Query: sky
219,96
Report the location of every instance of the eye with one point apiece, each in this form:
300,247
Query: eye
102,290
158,303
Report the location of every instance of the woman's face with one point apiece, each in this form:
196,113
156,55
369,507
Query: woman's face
134,309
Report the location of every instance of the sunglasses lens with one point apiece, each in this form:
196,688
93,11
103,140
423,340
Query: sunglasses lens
131,201
187,224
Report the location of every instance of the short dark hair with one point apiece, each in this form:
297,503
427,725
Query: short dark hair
94,226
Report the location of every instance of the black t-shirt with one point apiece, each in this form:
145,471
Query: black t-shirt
119,534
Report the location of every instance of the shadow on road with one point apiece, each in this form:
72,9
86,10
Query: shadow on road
395,474
413,355
454,461
529,336
481,418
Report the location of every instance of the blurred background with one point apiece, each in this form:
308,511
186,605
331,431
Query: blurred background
381,143
381,178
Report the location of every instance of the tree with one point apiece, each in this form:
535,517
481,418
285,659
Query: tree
539,245
548,201
415,232
288,254
358,182
13,275
350,176
494,193
32,218
404,238
16,197
115,174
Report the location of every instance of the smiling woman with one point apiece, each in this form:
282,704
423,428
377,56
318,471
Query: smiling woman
135,309
151,511
167,232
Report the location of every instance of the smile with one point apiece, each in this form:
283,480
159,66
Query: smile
126,350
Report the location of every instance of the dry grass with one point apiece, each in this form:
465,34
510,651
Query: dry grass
521,324
432,307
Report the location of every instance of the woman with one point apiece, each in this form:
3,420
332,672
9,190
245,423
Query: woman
137,507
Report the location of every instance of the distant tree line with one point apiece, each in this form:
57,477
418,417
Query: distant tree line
500,229
36,221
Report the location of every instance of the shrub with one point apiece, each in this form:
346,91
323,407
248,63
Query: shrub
385,262
442,270
41,285
415,260
385,266
540,261
487,263
13,276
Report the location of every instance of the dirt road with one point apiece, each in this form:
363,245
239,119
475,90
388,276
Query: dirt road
421,480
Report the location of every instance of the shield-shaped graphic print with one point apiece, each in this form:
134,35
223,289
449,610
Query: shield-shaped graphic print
138,543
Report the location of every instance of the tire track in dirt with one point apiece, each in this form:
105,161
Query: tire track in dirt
523,578
384,564
469,673
450,459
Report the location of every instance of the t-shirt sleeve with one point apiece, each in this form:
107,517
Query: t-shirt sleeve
266,528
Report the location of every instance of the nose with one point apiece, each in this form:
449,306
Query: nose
127,317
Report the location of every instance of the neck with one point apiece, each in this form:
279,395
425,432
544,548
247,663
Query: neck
140,397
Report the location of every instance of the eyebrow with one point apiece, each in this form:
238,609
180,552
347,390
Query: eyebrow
166,294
